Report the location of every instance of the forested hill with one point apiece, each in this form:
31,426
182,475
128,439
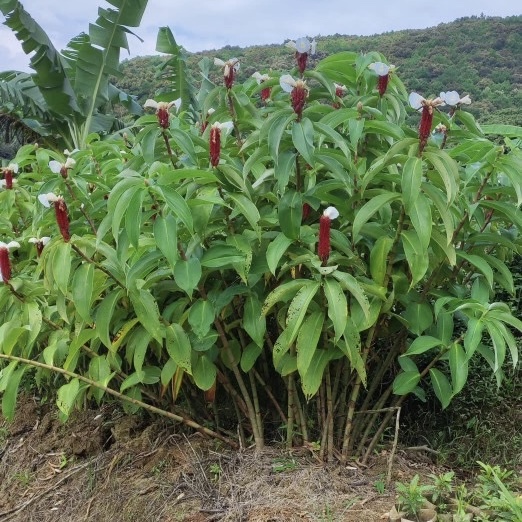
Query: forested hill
479,56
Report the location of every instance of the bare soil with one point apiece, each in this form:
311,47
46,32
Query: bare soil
105,466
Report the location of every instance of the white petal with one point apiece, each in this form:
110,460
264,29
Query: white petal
151,103
226,126
234,62
175,103
55,166
291,44
69,163
450,97
466,100
13,244
287,83
42,198
302,45
3,245
45,240
331,212
416,100
218,61
2,183
13,167
211,111
380,68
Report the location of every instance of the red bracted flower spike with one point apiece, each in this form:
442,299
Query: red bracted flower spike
60,209
382,84
323,248
5,264
215,145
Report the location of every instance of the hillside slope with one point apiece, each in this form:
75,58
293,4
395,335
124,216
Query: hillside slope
479,56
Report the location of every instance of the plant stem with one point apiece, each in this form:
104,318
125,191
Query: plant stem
125,398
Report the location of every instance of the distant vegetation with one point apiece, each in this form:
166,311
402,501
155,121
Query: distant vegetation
479,56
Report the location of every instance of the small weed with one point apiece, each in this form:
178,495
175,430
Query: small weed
281,465
24,477
412,496
215,471
380,486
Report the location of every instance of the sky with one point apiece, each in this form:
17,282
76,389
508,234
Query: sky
210,24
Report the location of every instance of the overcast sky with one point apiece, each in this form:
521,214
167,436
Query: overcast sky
210,24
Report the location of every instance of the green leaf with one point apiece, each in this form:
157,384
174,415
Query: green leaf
411,182
147,311
104,314
275,251
168,371
303,139
178,346
290,213
177,205
405,382
473,335
448,171
166,237
61,265
275,127
379,258
82,287
254,322
349,283
307,340
133,217
480,263
351,347
67,395
187,274
458,362
219,256
422,344
100,372
201,316
419,317
420,216
248,209
441,387
416,255
370,208
311,381
282,292
139,344
337,306
294,318
250,356
204,372
11,392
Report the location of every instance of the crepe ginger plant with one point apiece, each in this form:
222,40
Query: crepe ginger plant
293,263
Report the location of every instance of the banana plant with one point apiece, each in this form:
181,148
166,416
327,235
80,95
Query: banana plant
69,92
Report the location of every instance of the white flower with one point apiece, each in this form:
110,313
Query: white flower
303,45
13,167
211,111
56,167
47,199
260,77
380,68
331,213
8,246
287,83
43,240
417,102
453,98
69,153
226,126
340,88
232,63
3,183
153,104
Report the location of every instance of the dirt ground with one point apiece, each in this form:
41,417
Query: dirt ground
105,466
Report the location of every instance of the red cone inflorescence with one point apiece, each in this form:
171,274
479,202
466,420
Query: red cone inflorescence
8,177
5,264
325,221
60,209
215,145
382,84
298,97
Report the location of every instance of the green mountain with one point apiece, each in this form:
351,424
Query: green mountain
479,56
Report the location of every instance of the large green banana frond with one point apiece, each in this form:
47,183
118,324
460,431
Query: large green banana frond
50,77
99,59
175,70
